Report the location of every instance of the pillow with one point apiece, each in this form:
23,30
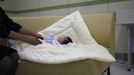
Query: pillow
73,26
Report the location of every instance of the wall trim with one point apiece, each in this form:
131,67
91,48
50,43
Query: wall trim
87,3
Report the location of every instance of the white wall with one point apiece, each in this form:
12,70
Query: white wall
121,38
30,4
8,5
119,7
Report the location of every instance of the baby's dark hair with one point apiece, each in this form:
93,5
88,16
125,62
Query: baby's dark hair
67,40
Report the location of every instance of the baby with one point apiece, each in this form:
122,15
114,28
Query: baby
61,40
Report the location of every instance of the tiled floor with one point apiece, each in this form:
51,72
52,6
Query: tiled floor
120,69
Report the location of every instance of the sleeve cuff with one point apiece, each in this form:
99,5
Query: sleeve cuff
16,27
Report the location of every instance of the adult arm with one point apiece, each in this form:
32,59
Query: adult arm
28,32
24,38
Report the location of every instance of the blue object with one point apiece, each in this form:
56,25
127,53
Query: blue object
10,42
49,39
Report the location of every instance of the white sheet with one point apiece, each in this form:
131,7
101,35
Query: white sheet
72,25
51,54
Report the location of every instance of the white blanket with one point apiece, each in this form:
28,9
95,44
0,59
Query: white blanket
85,48
51,54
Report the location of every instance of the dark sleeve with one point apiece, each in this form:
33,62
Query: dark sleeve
6,25
14,26
4,29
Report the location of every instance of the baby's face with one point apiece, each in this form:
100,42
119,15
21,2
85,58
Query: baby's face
60,39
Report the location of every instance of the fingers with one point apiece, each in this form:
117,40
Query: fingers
36,41
32,40
39,36
39,42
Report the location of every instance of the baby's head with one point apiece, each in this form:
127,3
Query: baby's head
64,40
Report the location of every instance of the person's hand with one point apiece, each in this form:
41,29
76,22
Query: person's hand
33,40
30,33
39,36
25,38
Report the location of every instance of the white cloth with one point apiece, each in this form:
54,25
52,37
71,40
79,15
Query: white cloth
51,40
51,54
73,26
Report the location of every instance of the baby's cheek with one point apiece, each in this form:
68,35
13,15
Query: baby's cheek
61,41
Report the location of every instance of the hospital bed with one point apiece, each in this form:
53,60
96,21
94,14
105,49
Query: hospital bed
101,26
